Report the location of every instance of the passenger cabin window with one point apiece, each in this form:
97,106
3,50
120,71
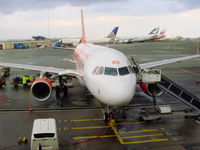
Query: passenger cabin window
98,70
44,135
110,71
123,71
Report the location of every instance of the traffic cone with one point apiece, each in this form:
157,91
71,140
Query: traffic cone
30,109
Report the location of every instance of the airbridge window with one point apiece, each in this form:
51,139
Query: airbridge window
44,135
123,71
111,71
131,69
98,70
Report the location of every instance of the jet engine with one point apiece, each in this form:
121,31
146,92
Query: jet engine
150,88
41,89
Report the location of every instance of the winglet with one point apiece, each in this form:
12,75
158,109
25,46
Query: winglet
163,32
83,28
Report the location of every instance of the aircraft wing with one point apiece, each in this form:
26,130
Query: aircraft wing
59,71
166,61
65,48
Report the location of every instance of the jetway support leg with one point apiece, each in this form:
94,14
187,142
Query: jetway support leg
150,115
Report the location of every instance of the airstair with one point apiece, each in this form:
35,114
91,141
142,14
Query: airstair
171,88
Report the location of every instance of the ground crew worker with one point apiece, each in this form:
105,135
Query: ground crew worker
30,78
16,81
24,81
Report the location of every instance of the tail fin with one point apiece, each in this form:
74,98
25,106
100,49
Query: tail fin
154,31
83,28
163,32
113,33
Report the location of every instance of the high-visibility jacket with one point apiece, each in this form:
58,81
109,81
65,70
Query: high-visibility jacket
24,79
30,78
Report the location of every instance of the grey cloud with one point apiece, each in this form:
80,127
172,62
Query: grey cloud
147,7
11,6
181,5
100,6
189,4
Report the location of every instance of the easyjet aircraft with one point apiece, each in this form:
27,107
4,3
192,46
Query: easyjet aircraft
105,72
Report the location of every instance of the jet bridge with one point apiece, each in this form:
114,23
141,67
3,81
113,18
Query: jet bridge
154,76
185,97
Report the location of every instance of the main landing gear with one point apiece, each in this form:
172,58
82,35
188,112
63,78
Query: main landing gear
155,104
149,114
61,90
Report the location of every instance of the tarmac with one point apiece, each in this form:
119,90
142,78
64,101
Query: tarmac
80,121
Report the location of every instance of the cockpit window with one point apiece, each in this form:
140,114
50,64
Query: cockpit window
110,71
123,71
98,70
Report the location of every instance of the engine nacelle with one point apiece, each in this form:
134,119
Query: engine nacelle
41,89
149,88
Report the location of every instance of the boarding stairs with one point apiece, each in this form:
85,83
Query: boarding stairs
182,95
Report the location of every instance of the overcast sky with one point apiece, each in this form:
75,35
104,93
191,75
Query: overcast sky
21,19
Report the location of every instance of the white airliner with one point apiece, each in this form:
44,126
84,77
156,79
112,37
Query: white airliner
110,38
106,72
153,35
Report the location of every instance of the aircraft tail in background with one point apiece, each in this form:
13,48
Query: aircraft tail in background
113,33
163,32
160,35
154,31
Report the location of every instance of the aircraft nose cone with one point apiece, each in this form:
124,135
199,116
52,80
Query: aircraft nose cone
121,97
118,94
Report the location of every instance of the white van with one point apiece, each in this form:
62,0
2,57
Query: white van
44,135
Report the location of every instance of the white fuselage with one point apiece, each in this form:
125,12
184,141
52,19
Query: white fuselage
76,42
106,73
148,37
100,40
70,42
134,39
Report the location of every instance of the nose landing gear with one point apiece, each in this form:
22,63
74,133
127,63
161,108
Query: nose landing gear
108,114
114,113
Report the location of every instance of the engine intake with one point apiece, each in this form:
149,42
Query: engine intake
150,88
41,89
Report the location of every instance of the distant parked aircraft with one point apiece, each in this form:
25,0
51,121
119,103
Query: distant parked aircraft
154,34
38,38
160,35
110,38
